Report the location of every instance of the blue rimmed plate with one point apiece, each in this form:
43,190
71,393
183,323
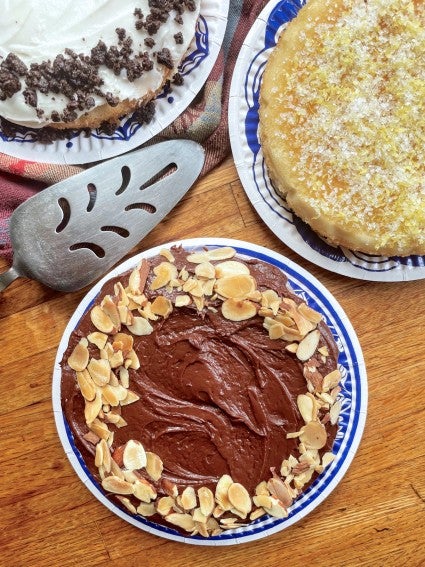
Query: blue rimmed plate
249,160
97,146
353,396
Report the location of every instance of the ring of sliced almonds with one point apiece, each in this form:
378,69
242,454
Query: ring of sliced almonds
104,383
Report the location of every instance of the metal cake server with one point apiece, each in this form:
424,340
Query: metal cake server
71,233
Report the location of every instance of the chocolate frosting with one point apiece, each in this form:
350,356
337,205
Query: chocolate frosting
216,397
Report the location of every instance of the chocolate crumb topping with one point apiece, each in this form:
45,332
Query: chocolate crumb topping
164,58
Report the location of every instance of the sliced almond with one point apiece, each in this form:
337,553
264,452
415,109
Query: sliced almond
146,509
110,308
276,331
97,338
327,459
164,505
130,398
117,485
99,428
86,385
261,488
206,500
310,313
182,300
235,287
134,456
331,380
222,253
277,510
263,500
132,361
93,408
184,521
308,345
123,342
205,270
221,492
111,395
188,498
164,272
279,490
306,406
154,466
230,268
79,357
138,277
100,371
127,504
162,306
335,411
140,327
144,490
238,310
124,377
101,320
313,435
256,514
239,498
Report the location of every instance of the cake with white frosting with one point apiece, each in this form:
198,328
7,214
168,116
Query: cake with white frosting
81,63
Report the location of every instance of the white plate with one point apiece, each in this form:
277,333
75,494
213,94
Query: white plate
195,69
248,156
353,396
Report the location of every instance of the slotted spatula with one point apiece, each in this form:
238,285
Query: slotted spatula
71,233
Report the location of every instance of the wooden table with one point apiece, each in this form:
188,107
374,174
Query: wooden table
375,516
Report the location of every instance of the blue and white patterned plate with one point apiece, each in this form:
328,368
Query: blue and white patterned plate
195,69
248,156
353,396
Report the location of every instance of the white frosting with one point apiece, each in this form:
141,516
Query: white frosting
39,30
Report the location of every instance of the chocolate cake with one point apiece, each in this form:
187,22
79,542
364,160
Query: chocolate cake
201,392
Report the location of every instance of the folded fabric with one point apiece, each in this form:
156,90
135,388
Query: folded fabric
205,121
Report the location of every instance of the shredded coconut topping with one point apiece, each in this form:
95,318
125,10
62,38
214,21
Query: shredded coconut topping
356,116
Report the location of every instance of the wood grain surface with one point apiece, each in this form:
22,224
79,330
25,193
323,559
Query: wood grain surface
375,516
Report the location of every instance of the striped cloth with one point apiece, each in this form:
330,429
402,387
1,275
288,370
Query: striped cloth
204,121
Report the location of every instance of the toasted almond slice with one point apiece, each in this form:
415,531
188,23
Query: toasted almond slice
222,253
331,380
263,500
116,359
292,347
276,331
235,287
162,306
105,455
313,435
93,408
110,395
117,485
239,498
327,459
335,411
308,345
79,357
100,371
97,338
98,457
99,428
164,505
132,360
230,522
261,488
257,514
130,398
205,270
121,295
323,350
238,310
138,277
146,509
123,342
140,327
188,498
124,377
111,310
221,492
154,466
230,268
134,456
127,504
277,510
184,521
268,298
182,300
310,313
164,272
86,385
206,500
101,320
167,254
199,516
279,490
198,257
144,490
306,406
218,511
